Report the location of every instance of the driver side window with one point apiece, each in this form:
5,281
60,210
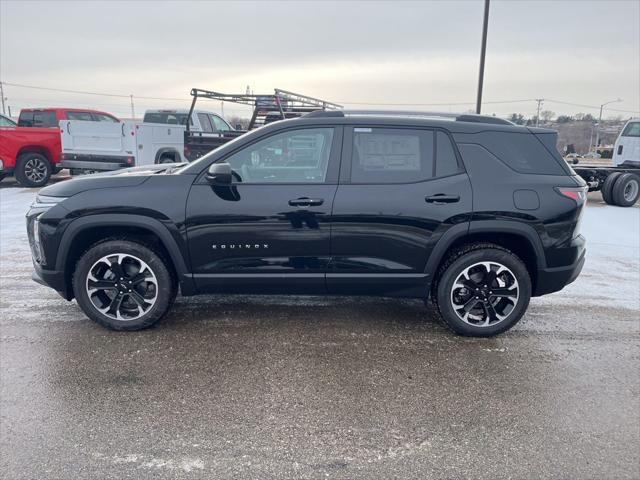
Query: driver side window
294,156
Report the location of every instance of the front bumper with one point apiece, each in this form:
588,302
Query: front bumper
551,280
53,279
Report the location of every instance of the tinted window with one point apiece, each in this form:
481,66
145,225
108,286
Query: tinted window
391,155
219,124
297,156
446,163
83,116
166,117
45,119
37,119
632,130
523,152
101,117
205,123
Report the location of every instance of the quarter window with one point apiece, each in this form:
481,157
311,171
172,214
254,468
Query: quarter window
446,163
391,155
297,156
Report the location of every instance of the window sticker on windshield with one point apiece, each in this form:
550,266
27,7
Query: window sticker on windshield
362,130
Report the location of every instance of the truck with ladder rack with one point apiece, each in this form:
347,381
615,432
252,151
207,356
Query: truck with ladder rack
267,108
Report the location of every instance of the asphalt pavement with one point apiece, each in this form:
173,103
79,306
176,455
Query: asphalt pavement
310,387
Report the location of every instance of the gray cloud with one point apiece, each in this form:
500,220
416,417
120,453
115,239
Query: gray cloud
381,52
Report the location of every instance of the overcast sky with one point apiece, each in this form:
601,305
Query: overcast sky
584,52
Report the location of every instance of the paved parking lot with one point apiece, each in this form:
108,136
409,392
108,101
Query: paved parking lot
290,387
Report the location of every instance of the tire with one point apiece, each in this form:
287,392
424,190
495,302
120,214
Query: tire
32,170
626,190
167,158
607,187
123,305
488,314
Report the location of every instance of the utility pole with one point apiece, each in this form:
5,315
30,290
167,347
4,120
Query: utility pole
2,97
483,51
539,100
133,111
595,148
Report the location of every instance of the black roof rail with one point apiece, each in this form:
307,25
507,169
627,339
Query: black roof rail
458,117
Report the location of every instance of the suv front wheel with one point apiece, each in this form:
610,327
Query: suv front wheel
123,285
482,291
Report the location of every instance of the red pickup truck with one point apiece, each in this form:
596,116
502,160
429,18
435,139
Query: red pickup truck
31,151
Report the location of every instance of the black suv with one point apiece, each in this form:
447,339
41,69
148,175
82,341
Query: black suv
473,212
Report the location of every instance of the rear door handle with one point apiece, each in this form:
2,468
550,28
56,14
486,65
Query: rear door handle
442,198
306,202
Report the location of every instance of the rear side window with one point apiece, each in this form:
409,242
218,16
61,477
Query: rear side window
37,119
170,118
632,130
391,155
101,117
219,125
82,116
523,152
205,123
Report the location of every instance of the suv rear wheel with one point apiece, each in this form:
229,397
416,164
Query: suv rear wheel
123,285
483,290
32,170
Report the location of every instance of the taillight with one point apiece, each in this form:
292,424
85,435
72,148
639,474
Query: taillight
577,194
130,160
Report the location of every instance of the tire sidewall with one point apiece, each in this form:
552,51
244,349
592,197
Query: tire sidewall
166,289
607,187
619,187
20,173
450,275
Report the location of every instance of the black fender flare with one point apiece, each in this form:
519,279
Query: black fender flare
484,226
178,256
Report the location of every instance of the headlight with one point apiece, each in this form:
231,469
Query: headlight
40,206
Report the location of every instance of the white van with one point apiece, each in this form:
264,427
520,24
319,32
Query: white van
626,151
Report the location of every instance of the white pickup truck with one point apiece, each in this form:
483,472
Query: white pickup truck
159,138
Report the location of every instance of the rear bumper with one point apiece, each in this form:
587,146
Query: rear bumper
53,279
551,280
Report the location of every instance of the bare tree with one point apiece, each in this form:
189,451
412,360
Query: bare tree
547,115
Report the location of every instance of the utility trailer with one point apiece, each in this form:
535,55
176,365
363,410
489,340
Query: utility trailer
267,108
620,182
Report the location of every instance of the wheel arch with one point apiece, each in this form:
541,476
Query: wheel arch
84,232
165,150
35,149
520,239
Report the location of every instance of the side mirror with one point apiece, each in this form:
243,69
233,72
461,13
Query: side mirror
219,173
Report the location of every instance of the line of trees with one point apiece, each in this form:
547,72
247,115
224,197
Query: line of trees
547,116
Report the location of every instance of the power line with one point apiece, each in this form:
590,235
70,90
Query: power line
389,104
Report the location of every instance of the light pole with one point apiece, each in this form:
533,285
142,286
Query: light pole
485,24
595,148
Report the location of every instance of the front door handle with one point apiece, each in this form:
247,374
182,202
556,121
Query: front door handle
306,202
441,198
